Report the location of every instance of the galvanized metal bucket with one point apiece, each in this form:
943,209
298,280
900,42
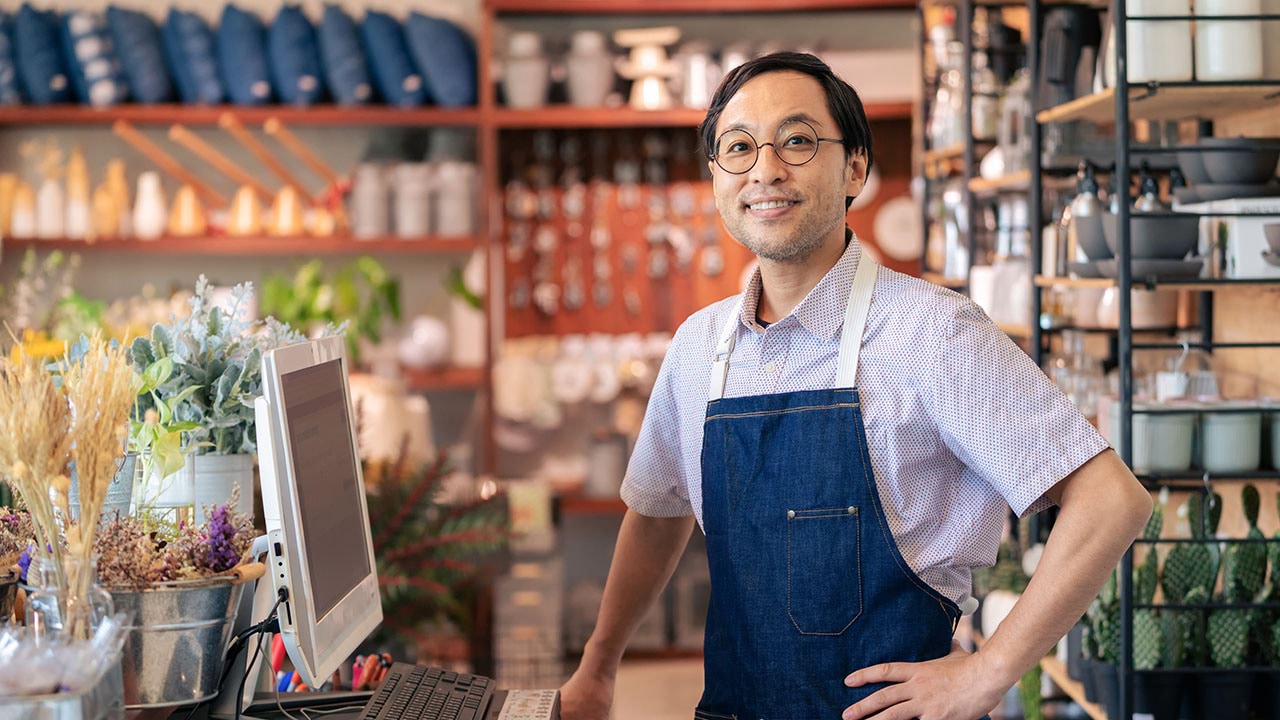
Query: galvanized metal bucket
8,594
103,701
178,635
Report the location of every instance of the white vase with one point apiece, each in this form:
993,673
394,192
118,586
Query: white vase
215,477
51,210
590,70
467,327
149,213
1228,49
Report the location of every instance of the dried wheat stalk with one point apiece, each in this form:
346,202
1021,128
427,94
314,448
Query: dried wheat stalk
101,390
35,442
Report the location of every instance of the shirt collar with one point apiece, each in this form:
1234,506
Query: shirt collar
814,311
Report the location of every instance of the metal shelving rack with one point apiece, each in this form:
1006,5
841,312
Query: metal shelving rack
1125,101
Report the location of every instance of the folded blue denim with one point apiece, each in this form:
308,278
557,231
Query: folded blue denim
294,56
242,57
91,59
9,92
188,43
137,41
393,72
345,68
446,57
42,73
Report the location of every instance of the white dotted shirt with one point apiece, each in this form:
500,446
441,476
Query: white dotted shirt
962,424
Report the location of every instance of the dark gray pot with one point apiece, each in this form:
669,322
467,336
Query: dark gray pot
1225,695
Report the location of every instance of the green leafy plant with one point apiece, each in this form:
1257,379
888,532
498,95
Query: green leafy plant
216,357
362,295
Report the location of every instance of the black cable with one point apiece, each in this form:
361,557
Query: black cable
245,678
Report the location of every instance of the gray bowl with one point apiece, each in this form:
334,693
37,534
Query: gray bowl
1091,237
1237,161
1156,238
1188,195
1272,232
1192,164
1216,191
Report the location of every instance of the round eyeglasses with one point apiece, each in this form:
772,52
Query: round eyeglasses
795,143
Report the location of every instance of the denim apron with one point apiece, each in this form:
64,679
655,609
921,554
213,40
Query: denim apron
807,583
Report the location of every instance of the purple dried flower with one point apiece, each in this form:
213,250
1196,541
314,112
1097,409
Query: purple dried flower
24,562
219,540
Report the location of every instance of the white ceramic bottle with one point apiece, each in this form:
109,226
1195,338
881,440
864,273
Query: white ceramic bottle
527,74
1158,51
149,214
1228,49
590,69
51,210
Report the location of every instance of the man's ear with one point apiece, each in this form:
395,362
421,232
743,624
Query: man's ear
855,173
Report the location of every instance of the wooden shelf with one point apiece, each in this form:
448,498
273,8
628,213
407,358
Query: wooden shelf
209,114
580,505
443,379
1203,285
1165,103
655,7
1074,690
944,281
1020,181
953,152
1045,282
1016,332
564,116
265,245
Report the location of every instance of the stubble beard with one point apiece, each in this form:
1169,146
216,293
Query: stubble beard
807,237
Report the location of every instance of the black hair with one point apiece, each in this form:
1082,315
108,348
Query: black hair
842,100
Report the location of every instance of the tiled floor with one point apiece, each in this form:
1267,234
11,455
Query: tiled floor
657,690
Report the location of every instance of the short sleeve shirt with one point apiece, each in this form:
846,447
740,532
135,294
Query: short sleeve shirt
961,423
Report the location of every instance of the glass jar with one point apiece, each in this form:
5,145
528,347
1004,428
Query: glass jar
1077,373
51,607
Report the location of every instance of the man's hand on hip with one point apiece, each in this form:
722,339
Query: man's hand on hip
956,687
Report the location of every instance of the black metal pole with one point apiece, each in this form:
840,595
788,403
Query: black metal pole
1035,201
966,25
1124,287
924,140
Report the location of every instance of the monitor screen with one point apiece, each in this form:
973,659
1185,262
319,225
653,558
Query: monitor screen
324,465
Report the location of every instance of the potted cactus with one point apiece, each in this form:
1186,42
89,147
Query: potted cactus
1190,574
1157,638
1105,620
1227,694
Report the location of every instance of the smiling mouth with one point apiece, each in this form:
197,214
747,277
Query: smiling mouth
772,204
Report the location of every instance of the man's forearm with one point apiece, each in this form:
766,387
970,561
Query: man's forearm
646,554
1102,510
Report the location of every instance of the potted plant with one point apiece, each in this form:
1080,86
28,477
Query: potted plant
208,396
431,551
1227,694
363,296
1189,576
1105,621
178,585
1157,639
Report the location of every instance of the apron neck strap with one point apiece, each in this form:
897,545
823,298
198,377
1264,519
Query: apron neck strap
728,337
855,321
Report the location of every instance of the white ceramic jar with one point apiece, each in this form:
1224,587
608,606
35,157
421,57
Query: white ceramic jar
1228,49
1159,51
527,72
455,204
413,188
1161,443
1231,442
370,201
590,69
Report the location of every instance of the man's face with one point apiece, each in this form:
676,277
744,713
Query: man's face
782,212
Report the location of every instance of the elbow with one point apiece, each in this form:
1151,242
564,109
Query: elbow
1138,508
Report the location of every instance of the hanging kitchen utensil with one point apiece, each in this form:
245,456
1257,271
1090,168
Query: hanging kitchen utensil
165,162
218,161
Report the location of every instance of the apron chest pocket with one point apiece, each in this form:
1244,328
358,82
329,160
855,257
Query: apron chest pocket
824,569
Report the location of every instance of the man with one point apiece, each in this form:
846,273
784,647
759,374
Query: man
843,518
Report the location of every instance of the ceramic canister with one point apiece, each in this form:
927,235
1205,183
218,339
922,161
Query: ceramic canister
590,69
1231,442
413,188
